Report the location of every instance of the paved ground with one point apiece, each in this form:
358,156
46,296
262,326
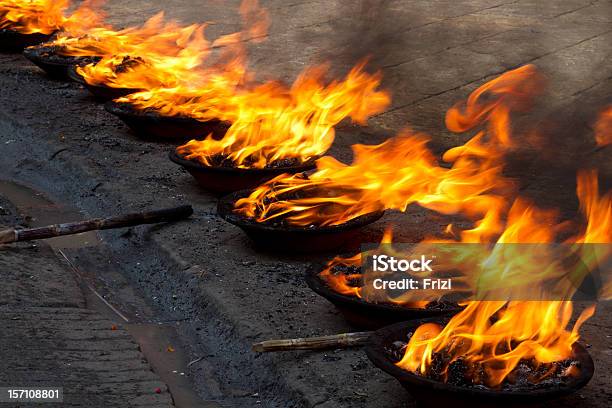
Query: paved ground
432,55
49,339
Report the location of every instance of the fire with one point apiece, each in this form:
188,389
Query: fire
603,128
103,40
352,285
272,123
46,16
155,54
492,337
170,62
489,338
402,170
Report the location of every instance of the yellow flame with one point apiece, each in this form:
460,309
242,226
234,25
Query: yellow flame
271,122
47,16
496,335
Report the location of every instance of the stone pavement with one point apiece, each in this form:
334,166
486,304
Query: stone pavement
48,338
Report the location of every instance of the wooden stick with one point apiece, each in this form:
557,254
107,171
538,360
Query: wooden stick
343,340
128,220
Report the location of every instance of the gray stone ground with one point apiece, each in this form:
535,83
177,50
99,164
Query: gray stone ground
432,55
49,339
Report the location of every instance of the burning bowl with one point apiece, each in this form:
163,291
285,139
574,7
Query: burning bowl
153,125
13,41
223,180
286,238
371,316
102,93
50,60
383,351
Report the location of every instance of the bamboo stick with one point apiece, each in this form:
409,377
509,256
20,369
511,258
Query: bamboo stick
127,220
343,340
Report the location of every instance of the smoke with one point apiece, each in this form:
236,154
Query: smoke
362,29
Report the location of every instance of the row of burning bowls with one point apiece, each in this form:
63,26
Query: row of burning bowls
236,181
220,179
383,350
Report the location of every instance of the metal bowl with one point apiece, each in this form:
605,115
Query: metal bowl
102,93
55,65
433,393
14,41
294,238
149,124
223,180
366,315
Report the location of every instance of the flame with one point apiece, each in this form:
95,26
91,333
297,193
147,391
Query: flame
493,337
402,170
95,38
37,16
152,55
352,285
47,16
168,61
203,91
603,128
271,122
488,338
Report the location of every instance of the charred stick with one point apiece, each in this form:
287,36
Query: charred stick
128,220
343,340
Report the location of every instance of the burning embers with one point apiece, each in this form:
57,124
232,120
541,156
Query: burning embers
460,384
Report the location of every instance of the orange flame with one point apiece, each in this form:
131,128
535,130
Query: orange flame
203,91
495,336
271,122
46,16
402,171
167,60
153,55
492,337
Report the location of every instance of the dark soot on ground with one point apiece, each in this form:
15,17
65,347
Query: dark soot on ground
526,376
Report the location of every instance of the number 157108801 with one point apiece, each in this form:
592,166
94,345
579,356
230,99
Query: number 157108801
31,394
